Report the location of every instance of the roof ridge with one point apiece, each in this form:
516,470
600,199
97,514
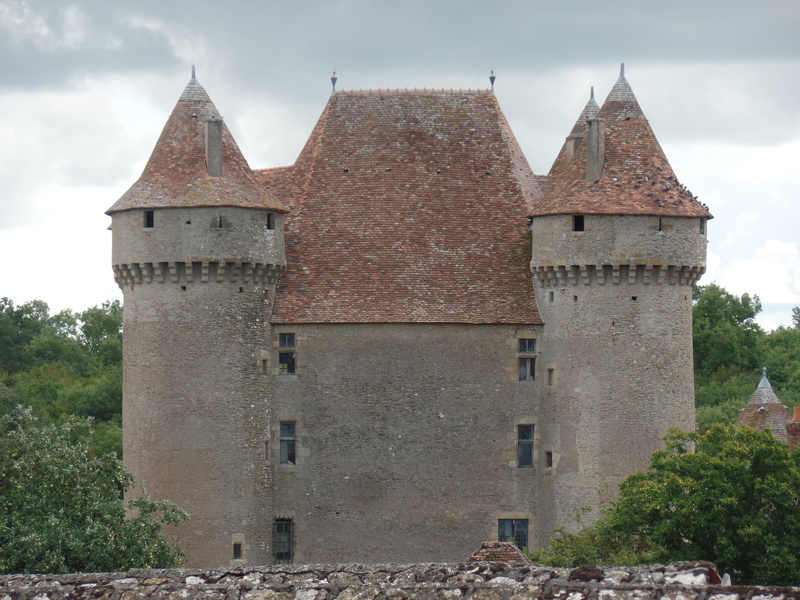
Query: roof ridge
415,91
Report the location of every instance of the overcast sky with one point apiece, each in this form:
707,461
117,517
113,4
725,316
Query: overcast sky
87,85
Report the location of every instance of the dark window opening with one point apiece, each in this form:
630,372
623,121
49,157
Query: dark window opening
286,340
264,367
286,362
513,530
149,219
551,376
527,369
702,225
219,222
574,298
183,287
548,460
634,298
577,223
660,225
552,296
270,221
288,441
282,543
527,345
524,445
237,551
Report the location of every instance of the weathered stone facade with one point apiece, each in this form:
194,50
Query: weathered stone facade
406,342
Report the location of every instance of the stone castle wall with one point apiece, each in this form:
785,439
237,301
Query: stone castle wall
405,431
465,581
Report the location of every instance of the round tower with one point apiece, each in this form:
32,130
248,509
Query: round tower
197,248
618,243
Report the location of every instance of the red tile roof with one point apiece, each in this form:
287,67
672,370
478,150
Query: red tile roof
176,173
407,206
636,179
499,552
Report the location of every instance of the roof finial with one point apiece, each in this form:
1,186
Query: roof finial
592,101
622,72
334,79
491,79
194,79
764,383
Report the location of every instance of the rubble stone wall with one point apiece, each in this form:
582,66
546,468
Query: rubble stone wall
466,581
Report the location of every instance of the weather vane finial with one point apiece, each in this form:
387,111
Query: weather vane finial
194,79
492,78
334,79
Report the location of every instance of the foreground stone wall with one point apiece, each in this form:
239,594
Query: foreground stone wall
467,581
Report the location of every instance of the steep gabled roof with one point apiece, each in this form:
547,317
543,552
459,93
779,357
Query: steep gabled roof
764,410
636,178
176,173
408,206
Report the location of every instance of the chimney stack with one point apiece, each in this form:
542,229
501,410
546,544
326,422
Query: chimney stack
214,146
595,149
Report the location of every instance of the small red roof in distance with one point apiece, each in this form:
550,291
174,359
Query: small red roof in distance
176,174
408,206
636,179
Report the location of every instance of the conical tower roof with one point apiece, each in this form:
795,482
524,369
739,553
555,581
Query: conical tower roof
176,174
636,177
764,410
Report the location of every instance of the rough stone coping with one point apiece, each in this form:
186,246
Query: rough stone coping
467,581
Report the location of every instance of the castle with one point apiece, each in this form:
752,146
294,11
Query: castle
407,342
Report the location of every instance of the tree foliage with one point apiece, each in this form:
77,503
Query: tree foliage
64,364
730,350
61,506
729,495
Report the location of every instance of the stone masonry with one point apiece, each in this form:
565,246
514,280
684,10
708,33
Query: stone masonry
430,581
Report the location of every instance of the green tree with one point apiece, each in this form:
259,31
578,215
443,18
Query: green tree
724,330
730,495
61,506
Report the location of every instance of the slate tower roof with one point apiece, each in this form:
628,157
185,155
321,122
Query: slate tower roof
176,174
636,177
764,410
407,206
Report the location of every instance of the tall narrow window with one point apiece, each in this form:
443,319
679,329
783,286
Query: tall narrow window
237,551
548,460
577,223
270,221
513,530
524,445
527,364
149,219
282,541
288,441
286,354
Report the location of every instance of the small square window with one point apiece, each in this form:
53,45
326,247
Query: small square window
527,345
288,440
514,530
524,445
286,340
527,369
